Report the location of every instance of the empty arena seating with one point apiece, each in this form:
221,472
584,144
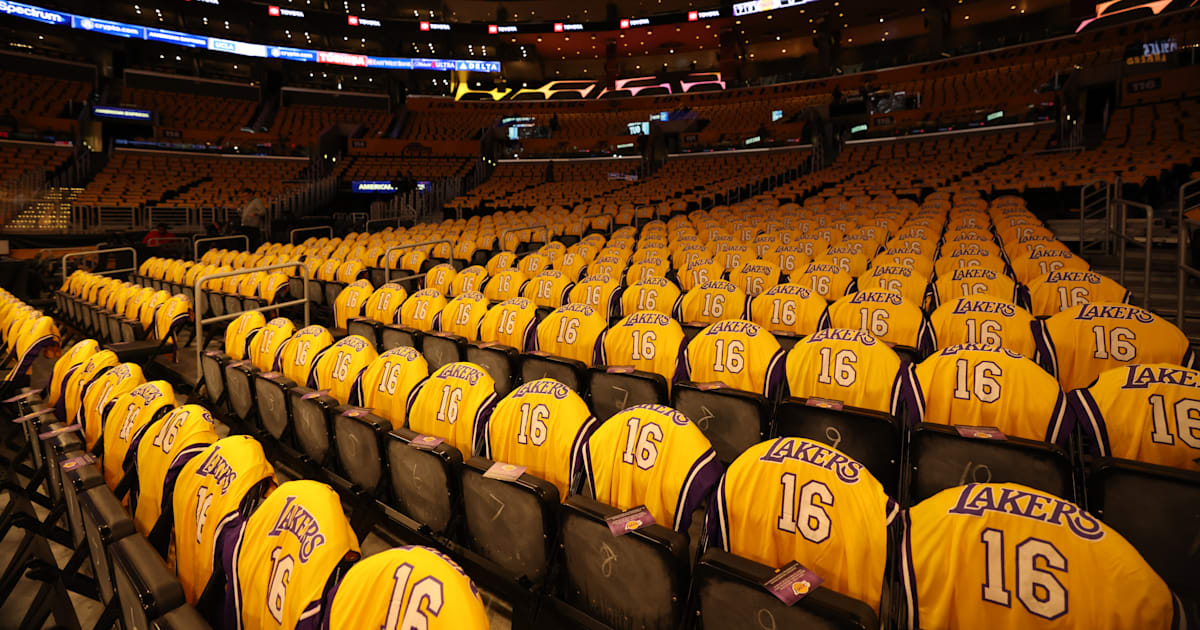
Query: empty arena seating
40,96
386,167
193,111
134,178
301,124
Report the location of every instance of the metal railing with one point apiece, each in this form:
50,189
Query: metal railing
292,234
97,252
1189,199
395,221
1124,237
1095,201
387,267
200,322
545,241
210,239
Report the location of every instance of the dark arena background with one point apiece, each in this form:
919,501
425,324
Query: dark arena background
641,315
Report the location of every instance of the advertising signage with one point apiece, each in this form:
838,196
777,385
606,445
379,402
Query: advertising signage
123,113
372,187
244,49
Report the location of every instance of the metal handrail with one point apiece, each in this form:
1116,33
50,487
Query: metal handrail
1087,198
228,316
597,215
196,243
1185,234
292,234
1126,238
101,251
503,233
395,220
387,268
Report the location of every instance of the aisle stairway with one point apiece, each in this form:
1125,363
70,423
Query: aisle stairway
51,211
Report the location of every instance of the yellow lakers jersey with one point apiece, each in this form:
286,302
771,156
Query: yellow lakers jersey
711,302
1058,291
264,348
384,303
70,360
510,323
285,555
906,281
755,276
977,281
406,587
946,265
422,309
886,315
350,302
462,315
1040,262
387,382
1080,343
504,285
1023,559
168,445
300,352
337,368
788,309
699,272
571,331
469,279
453,404
647,340
440,277
548,289
542,425
240,332
986,321
738,353
1146,413
652,294
826,279
977,385
127,420
99,395
72,397
852,367
651,455
796,499
500,262
600,292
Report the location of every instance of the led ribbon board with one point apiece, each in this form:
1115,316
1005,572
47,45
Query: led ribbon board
245,49
123,113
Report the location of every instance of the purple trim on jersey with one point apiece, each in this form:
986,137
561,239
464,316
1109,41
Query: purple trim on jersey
601,353
356,395
412,398
1125,299
311,381
683,372
166,509
1058,421
1045,354
1178,615
746,308
908,576
31,354
129,463
479,424
716,521
697,487
892,509
775,375
1021,296
926,341
1085,413
80,416
1189,359
580,469
852,287
824,321
60,405
918,397
589,481
229,545
677,307
529,339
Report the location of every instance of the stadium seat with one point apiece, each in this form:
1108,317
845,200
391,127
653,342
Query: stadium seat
1122,493
424,482
871,437
939,457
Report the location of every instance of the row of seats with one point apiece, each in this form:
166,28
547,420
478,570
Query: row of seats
156,483
371,452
